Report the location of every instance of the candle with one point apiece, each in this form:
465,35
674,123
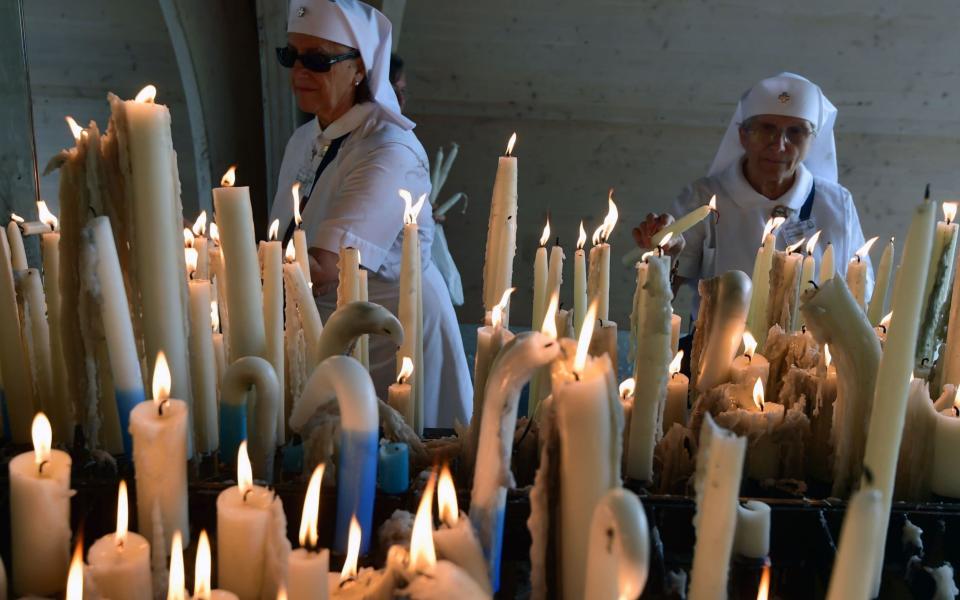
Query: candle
758,423
17,383
60,407
18,255
833,317
678,386
203,364
508,375
589,420
348,323
343,379
199,230
393,468
785,273
750,366
40,515
857,273
398,394
752,539
757,318
604,340
686,222
860,538
939,281
38,333
809,267
717,482
540,295
308,566
410,309
244,292
827,268
651,327
878,301
248,411
120,561
501,231
368,583
675,322
75,575
219,354
607,339
363,344
455,540
218,273
159,431
348,286
725,302
579,282
300,299
201,574
598,279
896,365
271,256
153,192
619,558
299,235
951,355
251,536
944,480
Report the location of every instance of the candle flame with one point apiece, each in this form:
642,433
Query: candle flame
865,249
201,569
406,370
549,327
188,238
75,129
763,591
290,255
510,144
15,217
758,394
42,435
749,344
827,357
75,575
311,509
665,241
230,177
771,226
161,379
586,334
295,191
190,257
214,232
176,590
200,225
422,554
123,514
794,247
496,313
244,469
410,210
582,238
274,230
610,221
545,236
949,212
627,387
282,593
214,316
353,550
713,203
885,322
675,363
46,216
147,94
597,237
447,498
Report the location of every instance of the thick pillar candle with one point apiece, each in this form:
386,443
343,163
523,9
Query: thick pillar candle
120,561
309,566
752,539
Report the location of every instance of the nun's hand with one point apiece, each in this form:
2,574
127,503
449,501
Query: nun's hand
643,233
324,272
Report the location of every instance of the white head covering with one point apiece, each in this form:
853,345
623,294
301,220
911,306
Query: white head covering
788,95
359,26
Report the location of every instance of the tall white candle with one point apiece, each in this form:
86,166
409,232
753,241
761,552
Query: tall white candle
120,561
785,282
951,356
205,398
808,276
35,321
159,431
306,308
598,281
309,566
686,222
300,236
17,384
896,366
857,273
200,243
60,407
757,317
271,256
619,558
939,281
410,309
540,295
880,291
579,282
860,539
501,231
827,267
40,515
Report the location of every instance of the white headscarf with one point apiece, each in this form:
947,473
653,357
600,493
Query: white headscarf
788,95
359,26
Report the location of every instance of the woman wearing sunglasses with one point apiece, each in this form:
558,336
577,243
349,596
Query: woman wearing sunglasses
350,161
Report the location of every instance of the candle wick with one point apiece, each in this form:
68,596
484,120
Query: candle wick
120,543
247,493
956,410
749,357
814,284
924,361
40,467
803,328
160,406
576,376
884,328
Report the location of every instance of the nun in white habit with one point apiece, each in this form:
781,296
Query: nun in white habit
777,158
350,162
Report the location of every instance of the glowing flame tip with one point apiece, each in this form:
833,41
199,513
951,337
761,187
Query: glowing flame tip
545,236
161,379
749,344
353,550
75,129
675,363
511,143
586,334
549,327
950,212
758,394
812,242
202,567
230,177
42,435
422,553
627,387
406,370
200,225
244,469
447,498
865,249
147,94
274,230
582,239
311,509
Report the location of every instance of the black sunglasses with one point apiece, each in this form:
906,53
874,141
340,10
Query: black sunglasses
314,61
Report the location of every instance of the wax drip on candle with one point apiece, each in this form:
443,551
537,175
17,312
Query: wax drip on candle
148,94
176,590
510,144
812,242
423,556
349,570
244,471
230,177
311,510
201,569
758,394
47,217
545,236
447,505
214,316
42,435
295,192
865,249
406,370
161,383
75,129
123,515
75,575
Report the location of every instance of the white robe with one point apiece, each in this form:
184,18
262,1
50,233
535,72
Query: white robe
714,246
355,203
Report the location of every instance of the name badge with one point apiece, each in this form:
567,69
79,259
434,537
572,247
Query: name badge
794,231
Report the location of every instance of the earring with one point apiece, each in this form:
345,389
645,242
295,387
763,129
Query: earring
356,83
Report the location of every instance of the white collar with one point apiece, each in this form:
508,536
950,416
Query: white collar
744,196
350,120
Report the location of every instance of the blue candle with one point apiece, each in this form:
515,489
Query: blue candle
126,401
393,470
356,486
233,429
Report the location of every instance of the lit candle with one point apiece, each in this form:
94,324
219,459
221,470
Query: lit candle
249,538
619,558
944,479
598,278
200,244
18,255
579,282
678,387
299,235
201,574
248,411
686,222
203,364
60,407
309,566
271,257
757,318
501,232
939,282
827,268
750,366
785,273
857,273
456,541
299,299
410,309
878,301
159,431
809,267
40,515
752,539
75,575
540,295
177,578
17,382
758,422
511,372
398,394
153,192
120,561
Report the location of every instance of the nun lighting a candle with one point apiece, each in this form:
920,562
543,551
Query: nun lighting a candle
777,158
349,162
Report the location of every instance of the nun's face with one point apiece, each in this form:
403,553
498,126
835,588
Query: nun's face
774,145
329,94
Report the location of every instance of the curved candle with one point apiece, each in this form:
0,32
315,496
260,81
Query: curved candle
511,370
344,379
301,299
725,303
353,320
619,559
238,405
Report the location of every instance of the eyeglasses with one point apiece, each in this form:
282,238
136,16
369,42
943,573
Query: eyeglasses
768,133
314,61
